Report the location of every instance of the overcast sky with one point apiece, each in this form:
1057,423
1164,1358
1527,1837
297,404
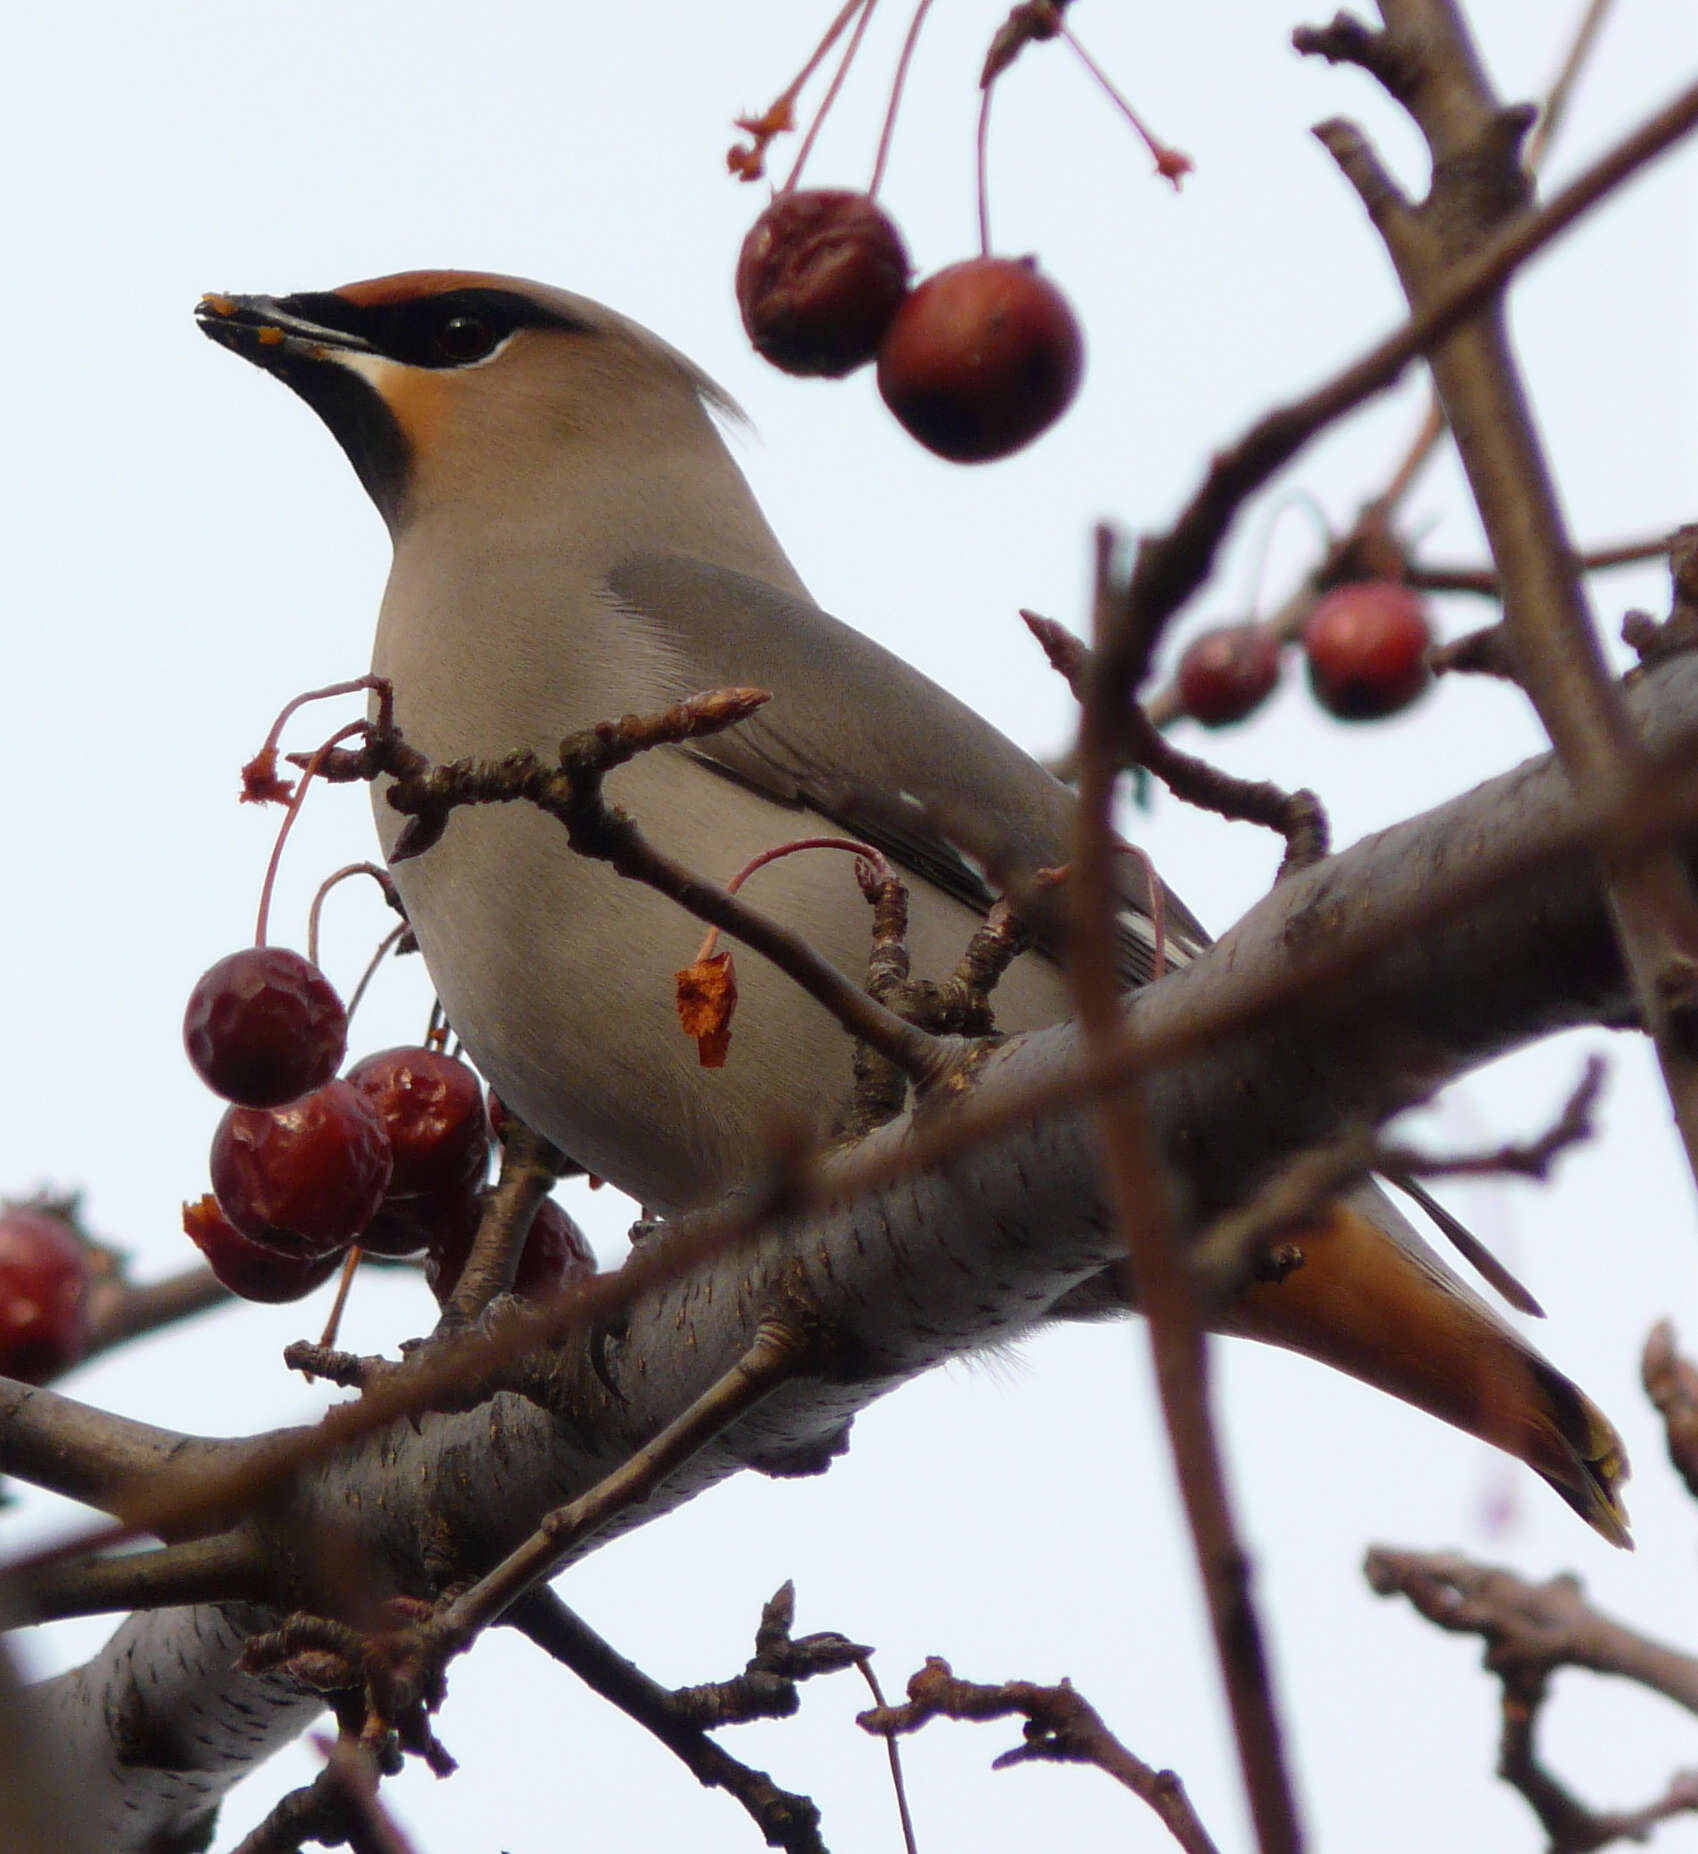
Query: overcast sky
184,548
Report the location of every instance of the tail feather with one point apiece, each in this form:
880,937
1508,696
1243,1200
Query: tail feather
1373,1300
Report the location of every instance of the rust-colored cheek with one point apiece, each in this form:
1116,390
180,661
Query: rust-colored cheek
418,402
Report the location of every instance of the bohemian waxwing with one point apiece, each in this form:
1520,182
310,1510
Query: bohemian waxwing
573,542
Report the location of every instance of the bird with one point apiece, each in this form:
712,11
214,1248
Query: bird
574,541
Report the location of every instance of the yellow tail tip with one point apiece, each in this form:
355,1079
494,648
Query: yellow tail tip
1594,1463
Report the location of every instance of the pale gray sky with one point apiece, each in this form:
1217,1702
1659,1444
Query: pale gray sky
184,548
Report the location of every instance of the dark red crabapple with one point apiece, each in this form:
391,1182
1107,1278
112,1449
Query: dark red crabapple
556,1251
1367,645
1228,673
431,1107
981,358
247,1268
304,1179
818,279
264,1026
44,1276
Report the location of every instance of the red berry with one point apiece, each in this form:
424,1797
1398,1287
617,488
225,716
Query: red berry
818,279
43,1294
304,1179
1367,647
405,1225
981,358
556,1251
264,1026
432,1109
1227,674
249,1269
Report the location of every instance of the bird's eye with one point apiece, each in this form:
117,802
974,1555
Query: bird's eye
464,338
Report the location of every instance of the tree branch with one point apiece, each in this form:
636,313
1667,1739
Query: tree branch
1062,1727
1427,61
785,1820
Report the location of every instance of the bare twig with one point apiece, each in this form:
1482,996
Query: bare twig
1487,581
766,1688
1671,1383
1433,427
339,1808
778,1348
1296,816
122,1310
1062,1727
1555,106
1529,1631
1123,635
785,1820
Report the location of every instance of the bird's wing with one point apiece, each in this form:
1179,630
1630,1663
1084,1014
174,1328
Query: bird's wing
863,738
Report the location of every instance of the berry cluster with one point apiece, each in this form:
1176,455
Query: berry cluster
390,1157
975,362
1365,642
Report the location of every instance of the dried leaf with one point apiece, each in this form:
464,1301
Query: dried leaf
260,783
707,995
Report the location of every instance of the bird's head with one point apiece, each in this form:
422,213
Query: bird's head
436,382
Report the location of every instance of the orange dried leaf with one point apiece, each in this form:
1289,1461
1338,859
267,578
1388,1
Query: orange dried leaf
748,160
260,783
779,119
707,996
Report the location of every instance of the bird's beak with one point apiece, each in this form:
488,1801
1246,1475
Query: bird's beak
337,372
271,330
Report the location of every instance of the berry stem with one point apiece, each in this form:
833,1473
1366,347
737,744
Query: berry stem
1294,498
895,104
378,874
830,96
384,947
259,782
853,846
833,33
982,168
333,1322
1171,164
346,733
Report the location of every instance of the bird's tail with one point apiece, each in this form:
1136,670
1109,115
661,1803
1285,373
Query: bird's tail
1372,1299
